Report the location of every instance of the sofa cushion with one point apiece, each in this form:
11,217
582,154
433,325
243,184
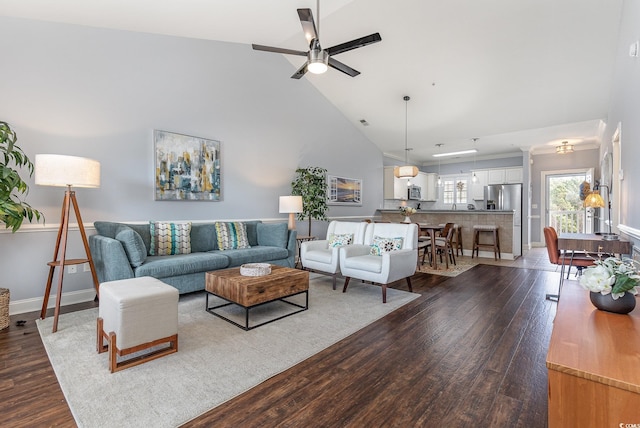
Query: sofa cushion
252,231
133,245
181,264
340,239
384,245
273,235
231,235
367,263
257,254
169,238
203,237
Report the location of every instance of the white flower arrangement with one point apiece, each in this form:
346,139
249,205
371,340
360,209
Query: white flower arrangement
407,211
611,275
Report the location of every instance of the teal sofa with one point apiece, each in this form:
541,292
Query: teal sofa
118,252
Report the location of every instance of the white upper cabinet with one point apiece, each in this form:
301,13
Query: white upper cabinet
505,176
393,187
513,175
477,188
496,176
427,183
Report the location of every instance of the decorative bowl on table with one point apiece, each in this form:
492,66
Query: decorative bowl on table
255,269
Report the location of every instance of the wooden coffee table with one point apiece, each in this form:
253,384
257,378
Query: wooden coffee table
252,291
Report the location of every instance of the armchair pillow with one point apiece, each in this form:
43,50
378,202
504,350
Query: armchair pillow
382,245
169,238
232,235
340,239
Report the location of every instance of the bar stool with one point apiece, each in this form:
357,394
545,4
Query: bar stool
495,245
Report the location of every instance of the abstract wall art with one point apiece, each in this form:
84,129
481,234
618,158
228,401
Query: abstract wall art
186,168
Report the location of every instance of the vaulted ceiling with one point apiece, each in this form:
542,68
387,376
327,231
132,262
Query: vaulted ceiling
517,75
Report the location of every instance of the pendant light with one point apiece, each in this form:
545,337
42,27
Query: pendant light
407,171
474,179
439,179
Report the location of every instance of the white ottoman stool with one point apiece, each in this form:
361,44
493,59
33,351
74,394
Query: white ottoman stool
136,314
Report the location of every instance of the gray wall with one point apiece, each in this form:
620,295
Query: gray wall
624,109
100,93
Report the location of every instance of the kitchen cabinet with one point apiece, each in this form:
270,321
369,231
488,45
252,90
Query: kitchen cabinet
477,188
427,182
504,176
393,187
513,175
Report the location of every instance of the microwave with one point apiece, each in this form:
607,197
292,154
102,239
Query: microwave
414,192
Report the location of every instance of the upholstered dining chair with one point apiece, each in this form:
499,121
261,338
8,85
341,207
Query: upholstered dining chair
577,260
389,253
322,256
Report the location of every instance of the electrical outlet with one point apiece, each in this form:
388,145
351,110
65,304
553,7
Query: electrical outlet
72,269
86,267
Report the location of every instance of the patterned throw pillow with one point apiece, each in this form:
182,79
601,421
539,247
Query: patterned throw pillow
232,235
169,238
337,240
384,245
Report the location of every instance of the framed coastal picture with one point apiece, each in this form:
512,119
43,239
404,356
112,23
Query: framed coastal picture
344,191
186,168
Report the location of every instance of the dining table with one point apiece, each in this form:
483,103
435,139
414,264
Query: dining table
431,229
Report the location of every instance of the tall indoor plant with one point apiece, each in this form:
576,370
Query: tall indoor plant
311,184
13,210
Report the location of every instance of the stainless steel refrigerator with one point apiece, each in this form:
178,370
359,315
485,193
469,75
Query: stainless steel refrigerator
507,197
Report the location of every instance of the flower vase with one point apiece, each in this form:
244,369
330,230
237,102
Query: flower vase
622,305
407,219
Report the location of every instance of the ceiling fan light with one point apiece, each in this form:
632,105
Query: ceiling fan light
318,60
407,171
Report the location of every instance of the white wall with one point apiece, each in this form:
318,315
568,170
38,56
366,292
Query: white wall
100,93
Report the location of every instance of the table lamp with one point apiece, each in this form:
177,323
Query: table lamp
291,205
594,200
66,171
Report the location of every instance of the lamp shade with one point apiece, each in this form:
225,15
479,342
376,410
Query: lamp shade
594,200
63,171
407,171
290,204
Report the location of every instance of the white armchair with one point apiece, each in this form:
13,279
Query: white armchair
323,255
397,259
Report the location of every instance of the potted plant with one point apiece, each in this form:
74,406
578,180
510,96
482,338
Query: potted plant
613,284
407,212
13,210
311,184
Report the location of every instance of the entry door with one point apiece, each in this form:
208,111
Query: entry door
564,205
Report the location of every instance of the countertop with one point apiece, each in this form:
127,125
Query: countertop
452,211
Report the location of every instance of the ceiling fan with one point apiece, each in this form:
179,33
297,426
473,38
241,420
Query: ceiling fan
317,58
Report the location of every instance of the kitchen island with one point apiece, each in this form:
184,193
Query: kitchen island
466,219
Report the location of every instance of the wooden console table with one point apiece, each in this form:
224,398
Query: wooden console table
593,365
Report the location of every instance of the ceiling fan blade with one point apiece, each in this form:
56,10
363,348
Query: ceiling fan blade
301,71
308,25
342,67
278,50
354,44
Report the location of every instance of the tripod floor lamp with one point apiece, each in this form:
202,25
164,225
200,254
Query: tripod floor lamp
66,171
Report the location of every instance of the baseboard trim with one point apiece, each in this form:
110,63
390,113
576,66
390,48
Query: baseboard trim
35,304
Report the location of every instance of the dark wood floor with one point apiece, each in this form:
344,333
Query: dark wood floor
469,352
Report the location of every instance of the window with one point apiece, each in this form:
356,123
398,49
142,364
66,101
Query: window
455,190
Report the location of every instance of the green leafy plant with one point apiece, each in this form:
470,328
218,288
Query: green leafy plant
311,184
12,209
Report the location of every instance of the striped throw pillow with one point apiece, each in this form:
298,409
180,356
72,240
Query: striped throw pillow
169,238
232,235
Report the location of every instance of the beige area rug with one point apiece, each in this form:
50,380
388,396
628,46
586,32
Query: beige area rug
462,265
216,360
